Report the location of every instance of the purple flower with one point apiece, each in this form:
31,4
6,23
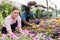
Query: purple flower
37,21
25,31
57,29
35,38
13,35
3,36
47,37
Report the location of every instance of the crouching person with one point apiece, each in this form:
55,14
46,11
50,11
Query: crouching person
12,22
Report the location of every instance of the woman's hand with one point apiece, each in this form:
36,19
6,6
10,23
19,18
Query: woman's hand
13,35
10,34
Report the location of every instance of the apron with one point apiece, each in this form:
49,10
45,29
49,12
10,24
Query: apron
27,19
13,28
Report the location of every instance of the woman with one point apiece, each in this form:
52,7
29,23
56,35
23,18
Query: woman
12,22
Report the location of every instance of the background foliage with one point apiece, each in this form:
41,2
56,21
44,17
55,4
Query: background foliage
5,9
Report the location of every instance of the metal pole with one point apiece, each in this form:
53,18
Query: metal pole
47,9
56,9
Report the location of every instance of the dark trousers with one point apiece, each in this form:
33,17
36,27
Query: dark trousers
4,30
13,26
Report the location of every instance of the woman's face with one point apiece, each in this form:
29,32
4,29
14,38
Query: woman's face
15,13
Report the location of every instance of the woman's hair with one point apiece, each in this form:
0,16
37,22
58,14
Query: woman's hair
14,8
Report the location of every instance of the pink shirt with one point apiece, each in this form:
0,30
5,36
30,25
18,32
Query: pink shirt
8,21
